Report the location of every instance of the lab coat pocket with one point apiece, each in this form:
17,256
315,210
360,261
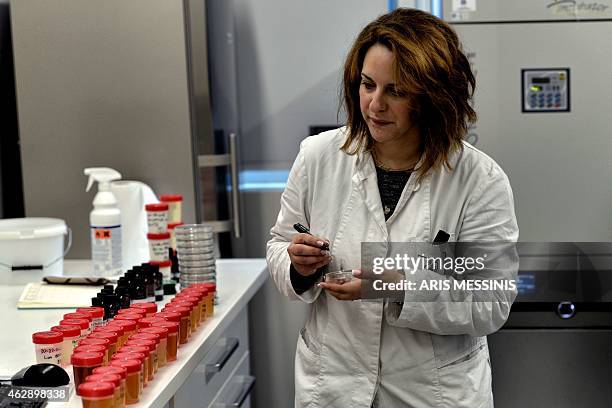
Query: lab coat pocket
466,382
307,365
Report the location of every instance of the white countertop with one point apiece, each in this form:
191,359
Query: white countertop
237,281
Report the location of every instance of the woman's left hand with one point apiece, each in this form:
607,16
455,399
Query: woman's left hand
346,291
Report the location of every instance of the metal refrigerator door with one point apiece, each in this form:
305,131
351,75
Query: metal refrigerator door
558,163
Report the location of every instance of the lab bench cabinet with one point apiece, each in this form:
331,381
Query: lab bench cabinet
222,378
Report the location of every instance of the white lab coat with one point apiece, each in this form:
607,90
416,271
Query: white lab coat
411,355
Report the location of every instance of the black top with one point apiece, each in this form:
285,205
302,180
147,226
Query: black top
390,186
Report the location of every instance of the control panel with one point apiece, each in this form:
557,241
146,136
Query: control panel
546,90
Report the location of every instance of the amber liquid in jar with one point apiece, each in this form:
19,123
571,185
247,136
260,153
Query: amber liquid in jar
172,346
184,330
108,402
162,356
80,373
133,387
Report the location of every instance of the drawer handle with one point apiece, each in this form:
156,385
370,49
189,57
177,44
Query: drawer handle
243,385
228,347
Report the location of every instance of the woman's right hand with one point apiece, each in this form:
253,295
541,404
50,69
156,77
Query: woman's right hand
306,253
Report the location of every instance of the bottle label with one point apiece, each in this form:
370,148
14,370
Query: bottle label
106,250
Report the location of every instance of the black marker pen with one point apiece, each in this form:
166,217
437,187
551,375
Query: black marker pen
302,229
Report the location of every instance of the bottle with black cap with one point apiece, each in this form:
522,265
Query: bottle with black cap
138,291
111,306
124,296
149,278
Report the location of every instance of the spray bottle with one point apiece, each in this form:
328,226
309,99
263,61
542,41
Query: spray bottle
105,223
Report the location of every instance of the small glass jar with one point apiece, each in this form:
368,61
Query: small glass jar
82,323
133,379
198,304
149,308
144,360
154,353
141,350
48,347
71,338
150,344
84,316
192,304
97,394
172,341
129,327
93,341
162,348
158,246
96,314
119,394
131,311
111,336
148,321
185,325
93,348
170,317
201,293
83,365
120,371
117,328
210,298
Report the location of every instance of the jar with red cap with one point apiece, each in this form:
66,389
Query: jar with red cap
82,323
201,294
48,347
185,325
111,336
129,326
142,357
175,203
158,246
96,342
200,305
149,308
83,365
157,217
148,321
120,371
162,349
119,395
117,328
71,339
93,348
97,394
144,360
210,297
170,316
152,346
154,353
192,305
172,340
133,379
84,316
130,311
141,350
96,314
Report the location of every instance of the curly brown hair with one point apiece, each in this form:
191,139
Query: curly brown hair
431,67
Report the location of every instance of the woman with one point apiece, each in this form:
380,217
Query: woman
399,171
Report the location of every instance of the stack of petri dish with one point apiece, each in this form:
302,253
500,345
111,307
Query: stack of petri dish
195,250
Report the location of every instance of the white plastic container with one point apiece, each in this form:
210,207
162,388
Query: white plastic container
31,248
105,223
